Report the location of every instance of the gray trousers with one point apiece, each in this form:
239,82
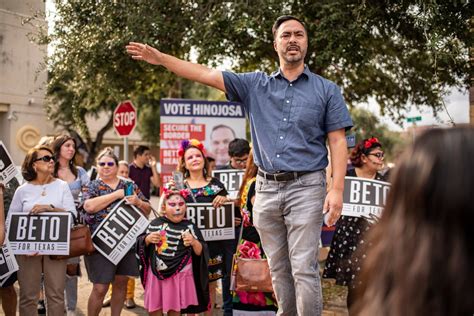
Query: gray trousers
288,217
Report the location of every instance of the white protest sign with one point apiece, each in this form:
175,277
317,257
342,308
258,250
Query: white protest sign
118,232
8,264
364,197
214,223
45,233
7,168
231,178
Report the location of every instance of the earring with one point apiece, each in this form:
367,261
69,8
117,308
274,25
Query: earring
205,172
186,174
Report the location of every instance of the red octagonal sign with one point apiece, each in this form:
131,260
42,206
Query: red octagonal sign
125,118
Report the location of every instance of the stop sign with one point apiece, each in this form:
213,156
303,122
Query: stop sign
125,118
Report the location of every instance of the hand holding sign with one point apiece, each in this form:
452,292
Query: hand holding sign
219,201
40,208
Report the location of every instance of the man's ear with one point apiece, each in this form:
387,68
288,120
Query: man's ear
275,46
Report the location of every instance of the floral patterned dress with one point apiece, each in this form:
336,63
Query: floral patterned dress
345,258
207,194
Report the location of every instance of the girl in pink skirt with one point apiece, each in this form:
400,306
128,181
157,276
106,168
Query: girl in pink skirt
173,261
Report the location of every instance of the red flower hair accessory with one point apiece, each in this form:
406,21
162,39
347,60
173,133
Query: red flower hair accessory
186,143
171,191
369,143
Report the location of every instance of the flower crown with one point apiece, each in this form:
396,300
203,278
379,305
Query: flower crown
167,192
186,143
371,142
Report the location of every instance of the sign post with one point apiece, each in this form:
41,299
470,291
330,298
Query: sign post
413,120
125,120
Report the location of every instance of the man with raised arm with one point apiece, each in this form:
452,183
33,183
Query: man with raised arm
291,112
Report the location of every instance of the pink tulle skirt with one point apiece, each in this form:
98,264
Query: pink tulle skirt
174,293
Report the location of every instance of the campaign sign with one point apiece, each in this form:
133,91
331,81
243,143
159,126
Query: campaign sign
45,233
364,197
8,263
231,178
214,223
7,168
118,232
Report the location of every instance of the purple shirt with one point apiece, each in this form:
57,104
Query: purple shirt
141,177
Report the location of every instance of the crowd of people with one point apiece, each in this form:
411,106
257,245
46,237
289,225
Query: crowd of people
415,260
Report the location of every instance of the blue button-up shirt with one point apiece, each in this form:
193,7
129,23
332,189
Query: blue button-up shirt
289,121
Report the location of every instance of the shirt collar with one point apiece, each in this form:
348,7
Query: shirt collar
306,72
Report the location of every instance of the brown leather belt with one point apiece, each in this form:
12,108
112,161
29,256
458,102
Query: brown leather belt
282,176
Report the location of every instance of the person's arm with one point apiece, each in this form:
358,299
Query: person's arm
155,178
338,148
93,205
185,69
2,215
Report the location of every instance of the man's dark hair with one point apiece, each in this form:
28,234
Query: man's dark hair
239,147
222,126
140,150
282,19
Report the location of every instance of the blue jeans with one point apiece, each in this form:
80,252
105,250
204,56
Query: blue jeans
288,217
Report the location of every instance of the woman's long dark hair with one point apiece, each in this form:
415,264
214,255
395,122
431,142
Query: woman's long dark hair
56,146
422,255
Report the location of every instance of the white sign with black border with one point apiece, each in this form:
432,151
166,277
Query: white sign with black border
214,223
118,232
44,233
8,264
364,197
231,178
7,168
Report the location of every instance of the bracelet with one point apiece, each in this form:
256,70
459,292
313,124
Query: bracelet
52,206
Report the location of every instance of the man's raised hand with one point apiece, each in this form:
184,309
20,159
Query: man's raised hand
144,52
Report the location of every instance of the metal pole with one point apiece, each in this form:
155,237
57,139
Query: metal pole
125,148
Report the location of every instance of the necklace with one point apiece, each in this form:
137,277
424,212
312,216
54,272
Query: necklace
44,190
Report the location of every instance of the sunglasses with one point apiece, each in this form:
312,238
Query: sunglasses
378,155
45,158
173,204
109,163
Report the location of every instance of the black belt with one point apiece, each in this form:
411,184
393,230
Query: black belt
282,176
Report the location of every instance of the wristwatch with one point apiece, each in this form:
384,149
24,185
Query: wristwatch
52,206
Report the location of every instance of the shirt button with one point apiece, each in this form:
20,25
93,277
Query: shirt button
281,137
278,156
284,119
287,101
291,85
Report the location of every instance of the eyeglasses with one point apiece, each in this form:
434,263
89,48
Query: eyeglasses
173,204
108,163
379,155
45,158
241,161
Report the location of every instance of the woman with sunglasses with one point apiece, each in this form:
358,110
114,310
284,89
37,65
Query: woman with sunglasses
41,193
64,148
344,259
100,197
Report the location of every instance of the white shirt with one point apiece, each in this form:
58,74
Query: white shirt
56,193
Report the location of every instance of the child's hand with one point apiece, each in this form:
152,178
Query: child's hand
153,238
188,238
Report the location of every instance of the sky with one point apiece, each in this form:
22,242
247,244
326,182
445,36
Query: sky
457,105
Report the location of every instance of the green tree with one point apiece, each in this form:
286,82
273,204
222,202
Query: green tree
401,52
367,125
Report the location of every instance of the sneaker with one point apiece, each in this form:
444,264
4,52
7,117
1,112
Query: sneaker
130,303
106,302
41,307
